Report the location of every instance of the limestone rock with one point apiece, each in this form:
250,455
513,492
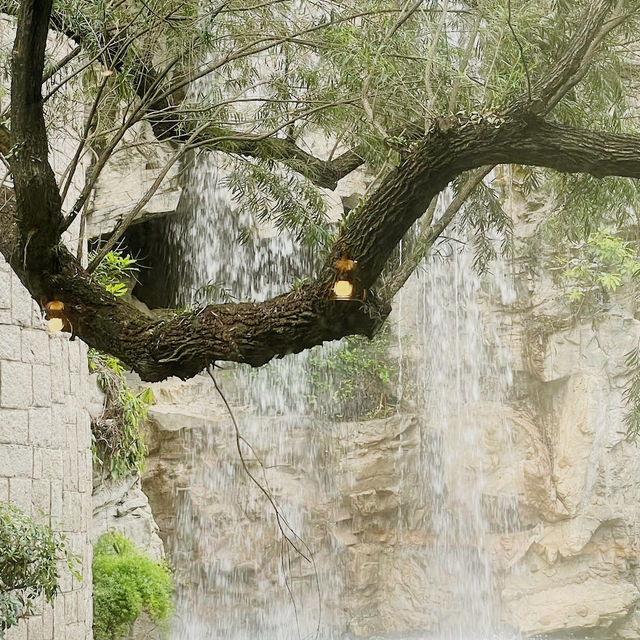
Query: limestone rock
122,506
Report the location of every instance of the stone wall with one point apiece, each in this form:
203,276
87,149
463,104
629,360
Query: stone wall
45,449
45,438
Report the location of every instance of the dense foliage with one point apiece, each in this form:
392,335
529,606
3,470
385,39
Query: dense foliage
30,564
355,379
126,582
368,75
597,266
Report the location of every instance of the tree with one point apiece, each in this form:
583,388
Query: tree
390,82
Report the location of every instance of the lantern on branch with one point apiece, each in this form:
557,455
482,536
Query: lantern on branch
344,285
54,315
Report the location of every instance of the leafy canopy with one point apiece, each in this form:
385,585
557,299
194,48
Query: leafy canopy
365,74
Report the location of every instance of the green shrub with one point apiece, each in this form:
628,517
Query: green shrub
118,440
126,582
596,267
29,564
357,379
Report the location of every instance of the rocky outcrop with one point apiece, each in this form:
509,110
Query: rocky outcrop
121,505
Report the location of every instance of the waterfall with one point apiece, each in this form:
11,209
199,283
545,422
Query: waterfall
238,577
463,368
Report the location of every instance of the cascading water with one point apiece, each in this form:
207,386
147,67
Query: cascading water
463,367
238,579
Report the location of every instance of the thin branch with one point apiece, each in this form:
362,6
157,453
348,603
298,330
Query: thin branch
464,62
74,53
430,233
565,72
126,221
432,52
71,169
587,58
366,104
522,56
289,535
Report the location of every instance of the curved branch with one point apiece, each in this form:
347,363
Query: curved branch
174,343
371,236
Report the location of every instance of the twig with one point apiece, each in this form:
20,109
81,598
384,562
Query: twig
59,65
522,57
280,519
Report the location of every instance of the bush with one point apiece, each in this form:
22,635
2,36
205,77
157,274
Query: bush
29,567
126,582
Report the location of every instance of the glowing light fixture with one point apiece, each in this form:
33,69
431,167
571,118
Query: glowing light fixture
55,315
54,325
343,290
344,284
55,306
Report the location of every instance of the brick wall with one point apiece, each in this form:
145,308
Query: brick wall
45,455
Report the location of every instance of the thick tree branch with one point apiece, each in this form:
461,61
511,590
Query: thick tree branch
175,343
323,173
184,343
402,198
37,196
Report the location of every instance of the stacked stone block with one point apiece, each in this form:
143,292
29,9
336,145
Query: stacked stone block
45,449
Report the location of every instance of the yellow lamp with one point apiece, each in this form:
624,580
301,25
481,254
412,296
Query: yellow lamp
343,290
54,325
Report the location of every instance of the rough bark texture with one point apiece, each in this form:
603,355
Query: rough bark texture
182,344
37,196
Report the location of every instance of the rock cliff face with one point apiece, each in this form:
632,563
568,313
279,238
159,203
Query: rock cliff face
559,492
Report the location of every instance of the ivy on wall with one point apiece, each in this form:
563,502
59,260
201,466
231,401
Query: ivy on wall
117,436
